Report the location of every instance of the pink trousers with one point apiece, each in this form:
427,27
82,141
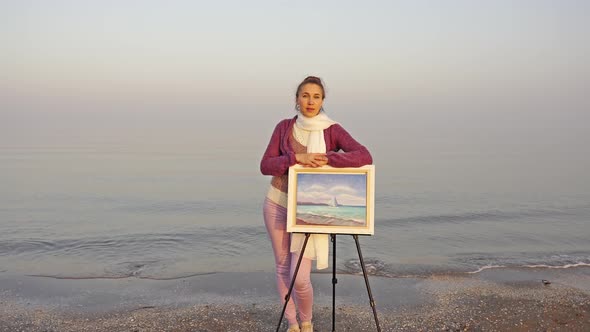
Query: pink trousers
275,219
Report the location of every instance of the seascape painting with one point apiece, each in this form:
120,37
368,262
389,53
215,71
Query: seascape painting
331,200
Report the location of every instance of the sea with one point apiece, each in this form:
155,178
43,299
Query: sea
170,195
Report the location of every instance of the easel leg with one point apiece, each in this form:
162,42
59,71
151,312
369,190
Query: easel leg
358,248
334,282
288,296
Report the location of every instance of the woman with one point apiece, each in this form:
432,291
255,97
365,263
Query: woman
311,139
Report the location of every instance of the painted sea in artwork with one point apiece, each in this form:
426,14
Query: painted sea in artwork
328,215
332,199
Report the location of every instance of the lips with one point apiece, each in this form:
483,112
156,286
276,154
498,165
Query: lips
309,108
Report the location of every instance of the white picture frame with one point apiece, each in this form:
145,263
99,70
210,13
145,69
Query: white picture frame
331,200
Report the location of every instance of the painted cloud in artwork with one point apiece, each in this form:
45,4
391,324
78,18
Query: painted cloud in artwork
348,189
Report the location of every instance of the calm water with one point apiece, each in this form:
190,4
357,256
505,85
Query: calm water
448,198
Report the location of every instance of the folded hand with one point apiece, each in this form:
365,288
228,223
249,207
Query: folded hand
312,159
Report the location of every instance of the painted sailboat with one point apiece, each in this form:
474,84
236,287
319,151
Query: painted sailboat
333,202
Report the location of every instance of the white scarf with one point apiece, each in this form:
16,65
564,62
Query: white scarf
318,245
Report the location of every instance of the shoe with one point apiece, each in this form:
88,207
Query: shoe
294,328
306,327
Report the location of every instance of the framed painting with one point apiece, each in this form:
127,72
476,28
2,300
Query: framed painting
331,200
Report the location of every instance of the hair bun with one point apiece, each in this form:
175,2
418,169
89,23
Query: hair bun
312,79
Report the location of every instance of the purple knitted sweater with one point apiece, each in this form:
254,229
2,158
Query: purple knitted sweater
279,154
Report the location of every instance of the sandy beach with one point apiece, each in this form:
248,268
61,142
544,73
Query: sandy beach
492,300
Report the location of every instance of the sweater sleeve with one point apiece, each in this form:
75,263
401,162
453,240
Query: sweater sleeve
273,161
354,154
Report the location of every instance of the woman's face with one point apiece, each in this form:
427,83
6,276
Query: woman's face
310,100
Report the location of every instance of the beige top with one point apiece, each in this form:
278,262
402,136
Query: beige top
280,184
317,245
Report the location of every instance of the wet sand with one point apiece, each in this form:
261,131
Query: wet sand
493,300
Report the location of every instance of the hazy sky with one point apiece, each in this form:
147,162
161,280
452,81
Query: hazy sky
86,55
504,82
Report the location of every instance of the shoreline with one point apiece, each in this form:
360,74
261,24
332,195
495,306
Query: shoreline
492,300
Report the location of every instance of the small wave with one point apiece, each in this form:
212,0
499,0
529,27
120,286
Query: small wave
312,219
17,247
469,264
220,241
487,267
543,266
118,277
475,216
567,266
373,266
331,215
